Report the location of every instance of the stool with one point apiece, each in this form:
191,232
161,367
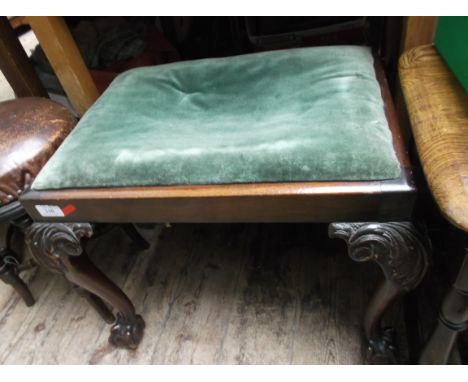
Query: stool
31,129
299,135
438,111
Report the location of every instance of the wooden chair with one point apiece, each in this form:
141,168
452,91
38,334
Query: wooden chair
438,110
372,216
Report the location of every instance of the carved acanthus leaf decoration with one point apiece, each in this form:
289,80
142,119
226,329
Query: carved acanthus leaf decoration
52,243
398,247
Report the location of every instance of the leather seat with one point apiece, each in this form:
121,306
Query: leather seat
31,130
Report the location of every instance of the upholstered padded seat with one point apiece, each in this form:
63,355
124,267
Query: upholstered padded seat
308,114
31,129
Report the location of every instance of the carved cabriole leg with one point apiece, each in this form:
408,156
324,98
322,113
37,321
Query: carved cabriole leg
99,306
57,247
402,253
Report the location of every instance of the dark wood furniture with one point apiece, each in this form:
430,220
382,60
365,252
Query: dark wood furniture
438,110
373,218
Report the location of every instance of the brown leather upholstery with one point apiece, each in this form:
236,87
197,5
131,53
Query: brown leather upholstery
31,129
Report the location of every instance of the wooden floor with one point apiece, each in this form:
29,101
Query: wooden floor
210,294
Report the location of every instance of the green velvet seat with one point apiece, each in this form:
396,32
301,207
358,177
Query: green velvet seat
310,114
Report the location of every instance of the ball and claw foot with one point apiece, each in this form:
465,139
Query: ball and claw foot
127,333
383,350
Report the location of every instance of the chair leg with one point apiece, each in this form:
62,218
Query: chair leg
402,253
9,274
453,319
57,247
10,266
